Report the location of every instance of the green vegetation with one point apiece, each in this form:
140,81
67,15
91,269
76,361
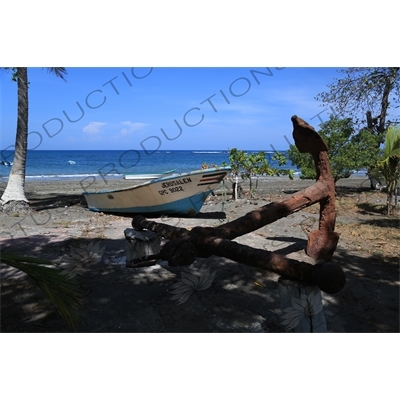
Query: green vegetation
347,150
370,92
389,164
248,166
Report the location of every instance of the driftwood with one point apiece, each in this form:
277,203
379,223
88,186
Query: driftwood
184,246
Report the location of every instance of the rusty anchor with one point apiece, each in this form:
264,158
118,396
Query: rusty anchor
185,246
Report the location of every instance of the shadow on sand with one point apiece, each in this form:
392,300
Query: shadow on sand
241,298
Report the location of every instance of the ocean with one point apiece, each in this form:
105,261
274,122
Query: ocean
79,164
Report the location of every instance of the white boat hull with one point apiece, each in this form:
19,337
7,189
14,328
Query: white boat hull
176,194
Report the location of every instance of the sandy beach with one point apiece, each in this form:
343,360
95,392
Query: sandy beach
240,299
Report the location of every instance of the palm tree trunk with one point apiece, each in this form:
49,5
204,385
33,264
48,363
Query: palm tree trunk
390,207
15,190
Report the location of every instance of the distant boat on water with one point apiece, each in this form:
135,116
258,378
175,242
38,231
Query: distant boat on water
71,162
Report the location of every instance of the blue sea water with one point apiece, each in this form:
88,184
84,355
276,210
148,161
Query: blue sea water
54,164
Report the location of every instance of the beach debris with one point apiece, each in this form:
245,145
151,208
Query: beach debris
141,244
184,246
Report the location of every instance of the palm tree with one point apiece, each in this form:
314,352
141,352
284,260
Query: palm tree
15,190
389,164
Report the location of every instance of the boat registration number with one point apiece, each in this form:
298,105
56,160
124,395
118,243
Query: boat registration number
171,190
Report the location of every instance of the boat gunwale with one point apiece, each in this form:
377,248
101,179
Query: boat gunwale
158,175
164,178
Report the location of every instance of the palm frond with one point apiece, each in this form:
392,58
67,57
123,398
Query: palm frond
392,144
59,72
56,285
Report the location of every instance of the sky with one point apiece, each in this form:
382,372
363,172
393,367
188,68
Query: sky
145,108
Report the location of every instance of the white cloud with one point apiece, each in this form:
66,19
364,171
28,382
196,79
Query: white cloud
93,127
131,127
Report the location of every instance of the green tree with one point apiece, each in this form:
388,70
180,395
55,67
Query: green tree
14,193
389,164
248,166
370,96
347,150
366,95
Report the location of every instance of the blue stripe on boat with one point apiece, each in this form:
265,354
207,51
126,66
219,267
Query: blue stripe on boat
184,206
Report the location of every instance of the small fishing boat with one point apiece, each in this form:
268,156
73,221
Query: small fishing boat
176,194
71,162
6,163
149,176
